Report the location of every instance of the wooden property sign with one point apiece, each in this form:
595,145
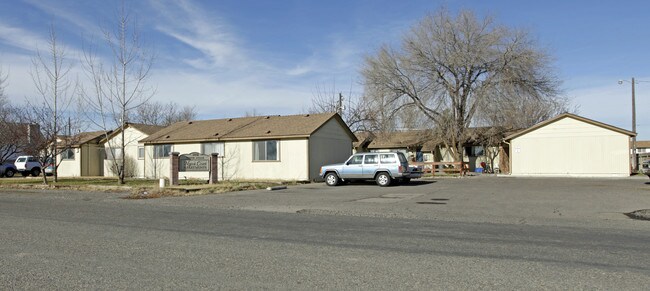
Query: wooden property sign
194,162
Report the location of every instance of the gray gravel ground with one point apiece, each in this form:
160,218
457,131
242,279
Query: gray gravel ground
492,233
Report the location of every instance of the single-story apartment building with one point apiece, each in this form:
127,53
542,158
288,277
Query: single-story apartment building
133,151
290,147
82,156
573,146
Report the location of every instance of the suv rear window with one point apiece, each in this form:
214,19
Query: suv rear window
402,158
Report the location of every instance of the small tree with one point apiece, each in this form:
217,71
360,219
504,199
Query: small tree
50,77
119,87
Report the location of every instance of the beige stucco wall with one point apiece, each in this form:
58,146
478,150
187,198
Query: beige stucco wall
131,138
70,168
569,147
329,144
237,162
292,164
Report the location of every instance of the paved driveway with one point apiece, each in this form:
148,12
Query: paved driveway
541,201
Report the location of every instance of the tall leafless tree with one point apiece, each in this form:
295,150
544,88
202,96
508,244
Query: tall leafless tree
156,113
118,85
50,110
356,113
447,65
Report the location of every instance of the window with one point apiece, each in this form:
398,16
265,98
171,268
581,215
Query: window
113,153
140,153
213,147
370,159
387,158
355,160
67,154
162,151
265,150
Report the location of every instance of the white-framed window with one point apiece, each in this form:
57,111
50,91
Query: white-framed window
67,154
113,153
140,153
265,150
162,151
212,147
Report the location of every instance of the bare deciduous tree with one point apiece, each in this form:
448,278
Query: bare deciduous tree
119,86
356,113
11,127
156,113
50,110
447,65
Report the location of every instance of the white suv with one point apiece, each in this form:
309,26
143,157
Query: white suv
27,165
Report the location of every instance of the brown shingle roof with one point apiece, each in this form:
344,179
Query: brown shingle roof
643,144
146,128
244,128
399,139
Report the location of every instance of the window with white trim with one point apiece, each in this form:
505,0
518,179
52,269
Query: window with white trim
140,153
266,150
162,151
67,154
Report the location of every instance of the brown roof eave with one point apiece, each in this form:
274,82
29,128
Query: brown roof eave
224,139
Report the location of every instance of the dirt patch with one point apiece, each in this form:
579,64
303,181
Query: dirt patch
643,214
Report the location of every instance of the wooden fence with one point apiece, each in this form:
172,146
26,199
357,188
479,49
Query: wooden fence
442,167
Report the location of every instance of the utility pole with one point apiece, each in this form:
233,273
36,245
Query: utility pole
635,163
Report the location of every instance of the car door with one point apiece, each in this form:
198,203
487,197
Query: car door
370,165
353,168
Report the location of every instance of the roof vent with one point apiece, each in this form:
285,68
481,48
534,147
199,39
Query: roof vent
268,131
216,134
229,119
267,117
189,122
167,136
307,115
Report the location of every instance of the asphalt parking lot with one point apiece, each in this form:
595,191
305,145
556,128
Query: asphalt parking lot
511,200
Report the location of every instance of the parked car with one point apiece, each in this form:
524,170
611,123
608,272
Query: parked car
7,170
384,168
49,169
645,168
28,165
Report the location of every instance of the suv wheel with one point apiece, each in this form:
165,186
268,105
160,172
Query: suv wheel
331,179
36,172
9,173
383,179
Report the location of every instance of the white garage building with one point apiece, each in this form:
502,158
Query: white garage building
572,146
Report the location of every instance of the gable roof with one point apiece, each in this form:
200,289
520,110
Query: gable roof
643,144
569,115
147,129
245,128
399,139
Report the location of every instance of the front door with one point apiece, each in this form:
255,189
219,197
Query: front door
370,165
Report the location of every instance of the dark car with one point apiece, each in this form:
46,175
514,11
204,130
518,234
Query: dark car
7,170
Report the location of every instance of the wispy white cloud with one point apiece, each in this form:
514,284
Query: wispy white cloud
189,24
57,11
20,38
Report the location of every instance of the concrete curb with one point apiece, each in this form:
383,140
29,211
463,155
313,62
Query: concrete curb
276,188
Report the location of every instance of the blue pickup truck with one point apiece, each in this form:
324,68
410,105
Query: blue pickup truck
384,168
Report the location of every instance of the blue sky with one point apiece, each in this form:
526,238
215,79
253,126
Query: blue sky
233,57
